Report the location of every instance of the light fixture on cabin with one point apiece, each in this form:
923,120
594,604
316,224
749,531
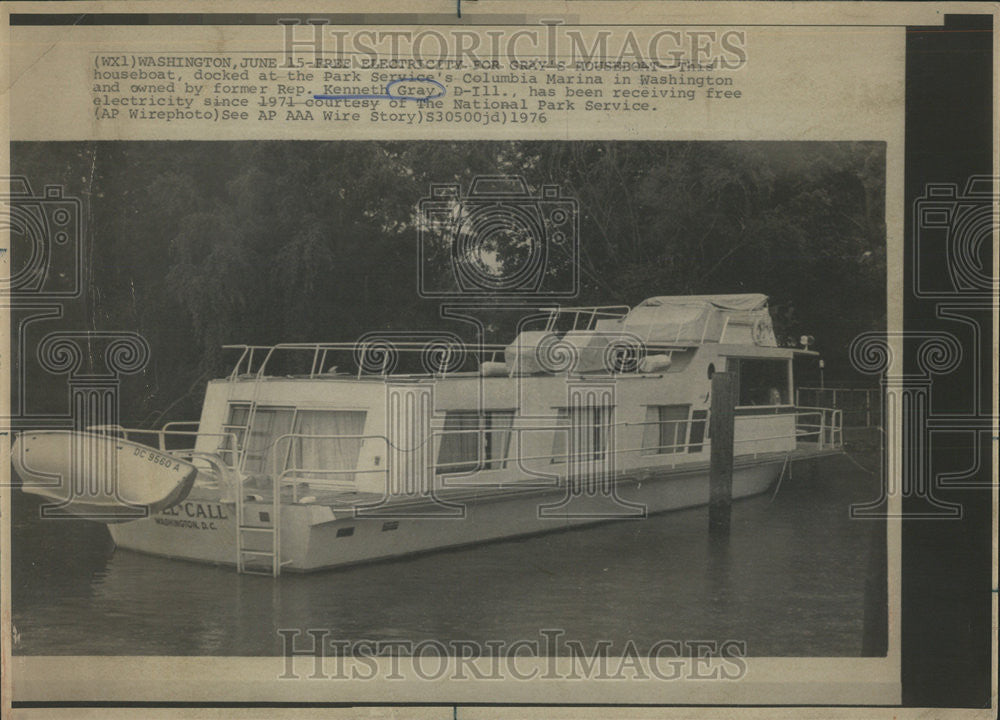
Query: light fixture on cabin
806,340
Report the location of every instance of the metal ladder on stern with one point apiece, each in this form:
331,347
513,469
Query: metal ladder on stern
251,559
255,560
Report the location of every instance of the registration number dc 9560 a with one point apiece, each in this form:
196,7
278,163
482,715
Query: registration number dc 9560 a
157,458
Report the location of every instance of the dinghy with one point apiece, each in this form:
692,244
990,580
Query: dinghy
99,476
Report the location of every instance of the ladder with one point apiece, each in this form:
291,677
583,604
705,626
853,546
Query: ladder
251,558
256,560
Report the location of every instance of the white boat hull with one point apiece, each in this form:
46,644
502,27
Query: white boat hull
313,537
100,477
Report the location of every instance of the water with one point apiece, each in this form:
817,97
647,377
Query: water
796,578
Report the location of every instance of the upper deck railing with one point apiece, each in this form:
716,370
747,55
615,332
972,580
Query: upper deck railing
589,315
377,355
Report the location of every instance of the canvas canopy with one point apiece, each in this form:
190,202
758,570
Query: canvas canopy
739,319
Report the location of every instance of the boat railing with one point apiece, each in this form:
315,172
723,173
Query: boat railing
158,438
377,355
590,315
862,406
590,454
823,426
439,356
820,425
343,479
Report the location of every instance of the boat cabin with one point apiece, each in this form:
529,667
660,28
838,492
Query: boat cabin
578,390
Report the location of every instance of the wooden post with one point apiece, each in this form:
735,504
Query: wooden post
721,425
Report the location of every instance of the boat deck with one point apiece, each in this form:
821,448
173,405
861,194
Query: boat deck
464,490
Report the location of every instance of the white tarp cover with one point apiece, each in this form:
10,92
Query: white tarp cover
741,318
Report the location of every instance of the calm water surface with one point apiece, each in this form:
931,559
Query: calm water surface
796,578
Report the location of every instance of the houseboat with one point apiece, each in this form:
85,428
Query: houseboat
310,456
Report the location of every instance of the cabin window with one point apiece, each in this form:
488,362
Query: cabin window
268,454
761,381
559,441
665,430
235,429
474,441
496,438
322,442
586,430
267,425
699,429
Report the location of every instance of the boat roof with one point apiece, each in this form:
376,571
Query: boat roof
733,301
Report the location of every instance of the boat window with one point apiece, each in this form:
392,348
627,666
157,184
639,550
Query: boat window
699,428
666,429
268,424
761,381
322,442
267,454
588,433
559,441
235,429
496,442
472,440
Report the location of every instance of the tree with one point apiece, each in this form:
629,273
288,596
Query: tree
196,245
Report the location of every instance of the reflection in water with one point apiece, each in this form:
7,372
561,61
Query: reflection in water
792,579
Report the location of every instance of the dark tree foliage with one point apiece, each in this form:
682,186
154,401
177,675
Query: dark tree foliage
195,245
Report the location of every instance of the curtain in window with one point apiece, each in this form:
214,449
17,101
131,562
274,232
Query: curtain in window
673,434
561,435
666,429
263,456
651,431
238,415
321,452
587,434
459,450
498,425
594,425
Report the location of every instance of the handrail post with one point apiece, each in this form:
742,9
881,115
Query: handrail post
721,425
276,521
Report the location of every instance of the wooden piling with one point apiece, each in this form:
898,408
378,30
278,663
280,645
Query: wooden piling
721,427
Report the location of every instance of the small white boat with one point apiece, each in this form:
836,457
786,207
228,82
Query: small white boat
99,476
590,415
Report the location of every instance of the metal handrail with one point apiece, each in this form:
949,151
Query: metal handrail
323,347
284,477
679,449
163,433
302,436
827,427
596,311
